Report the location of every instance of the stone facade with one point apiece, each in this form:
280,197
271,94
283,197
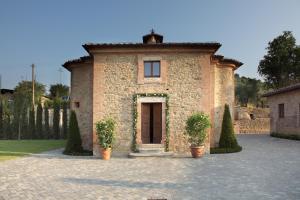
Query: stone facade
193,78
290,122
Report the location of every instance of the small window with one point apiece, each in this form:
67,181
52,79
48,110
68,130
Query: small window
77,104
151,68
281,110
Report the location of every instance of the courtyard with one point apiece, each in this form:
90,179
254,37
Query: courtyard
267,168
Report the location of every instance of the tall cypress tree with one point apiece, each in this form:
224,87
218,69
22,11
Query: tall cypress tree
47,132
31,131
227,138
39,121
56,118
24,124
1,119
65,120
74,142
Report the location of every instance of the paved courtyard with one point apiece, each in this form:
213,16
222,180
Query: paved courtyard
267,168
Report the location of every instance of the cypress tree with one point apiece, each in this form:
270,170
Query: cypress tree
24,124
39,121
65,120
1,119
227,138
73,145
47,132
31,131
56,118
8,129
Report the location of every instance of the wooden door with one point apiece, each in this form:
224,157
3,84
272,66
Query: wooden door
151,123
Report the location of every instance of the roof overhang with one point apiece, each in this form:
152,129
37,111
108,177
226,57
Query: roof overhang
92,48
223,61
283,90
78,61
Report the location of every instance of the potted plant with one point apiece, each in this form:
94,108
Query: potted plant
105,130
196,126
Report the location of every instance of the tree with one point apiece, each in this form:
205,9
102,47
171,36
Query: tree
39,121
23,91
31,127
249,90
24,125
59,91
73,145
227,138
56,119
47,131
65,120
1,118
281,66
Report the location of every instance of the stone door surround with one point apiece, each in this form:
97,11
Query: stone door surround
141,100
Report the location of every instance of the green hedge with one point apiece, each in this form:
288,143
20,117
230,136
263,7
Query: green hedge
218,150
285,136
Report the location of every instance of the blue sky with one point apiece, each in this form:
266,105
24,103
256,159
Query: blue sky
48,33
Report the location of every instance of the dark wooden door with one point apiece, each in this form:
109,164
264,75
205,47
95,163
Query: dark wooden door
151,123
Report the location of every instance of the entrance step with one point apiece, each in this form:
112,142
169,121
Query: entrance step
151,148
149,155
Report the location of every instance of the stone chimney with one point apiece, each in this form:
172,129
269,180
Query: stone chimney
152,38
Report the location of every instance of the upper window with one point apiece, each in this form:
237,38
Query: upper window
281,110
151,68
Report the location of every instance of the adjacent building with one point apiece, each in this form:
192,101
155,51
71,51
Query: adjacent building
150,89
284,106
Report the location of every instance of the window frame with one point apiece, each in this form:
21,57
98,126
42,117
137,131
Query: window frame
281,110
151,68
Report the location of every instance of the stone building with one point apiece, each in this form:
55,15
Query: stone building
150,89
284,105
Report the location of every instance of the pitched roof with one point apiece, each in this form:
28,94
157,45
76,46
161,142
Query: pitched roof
225,60
283,90
76,61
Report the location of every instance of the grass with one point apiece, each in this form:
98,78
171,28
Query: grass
10,149
286,136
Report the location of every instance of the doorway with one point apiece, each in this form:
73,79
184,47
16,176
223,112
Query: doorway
151,119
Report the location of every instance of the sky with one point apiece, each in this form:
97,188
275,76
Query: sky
48,33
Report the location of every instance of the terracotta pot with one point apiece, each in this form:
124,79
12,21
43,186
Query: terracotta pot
105,153
197,152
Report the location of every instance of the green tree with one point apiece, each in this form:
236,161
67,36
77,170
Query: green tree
73,145
249,90
1,119
227,138
23,91
56,119
65,120
24,124
59,91
39,121
281,66
31,127
47,132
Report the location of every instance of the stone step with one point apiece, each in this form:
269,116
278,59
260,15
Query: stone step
151,148
151,145
149,155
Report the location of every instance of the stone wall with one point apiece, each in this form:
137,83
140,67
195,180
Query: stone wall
251,120
81,84
188,85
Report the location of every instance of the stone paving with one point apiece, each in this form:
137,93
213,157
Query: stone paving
267,168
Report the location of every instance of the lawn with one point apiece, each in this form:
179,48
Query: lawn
10,149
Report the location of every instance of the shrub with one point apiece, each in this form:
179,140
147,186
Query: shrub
39,121
218,150
196,126
227,138
65,120
31,127
73,146
291,136
47,132
106,132
56,117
